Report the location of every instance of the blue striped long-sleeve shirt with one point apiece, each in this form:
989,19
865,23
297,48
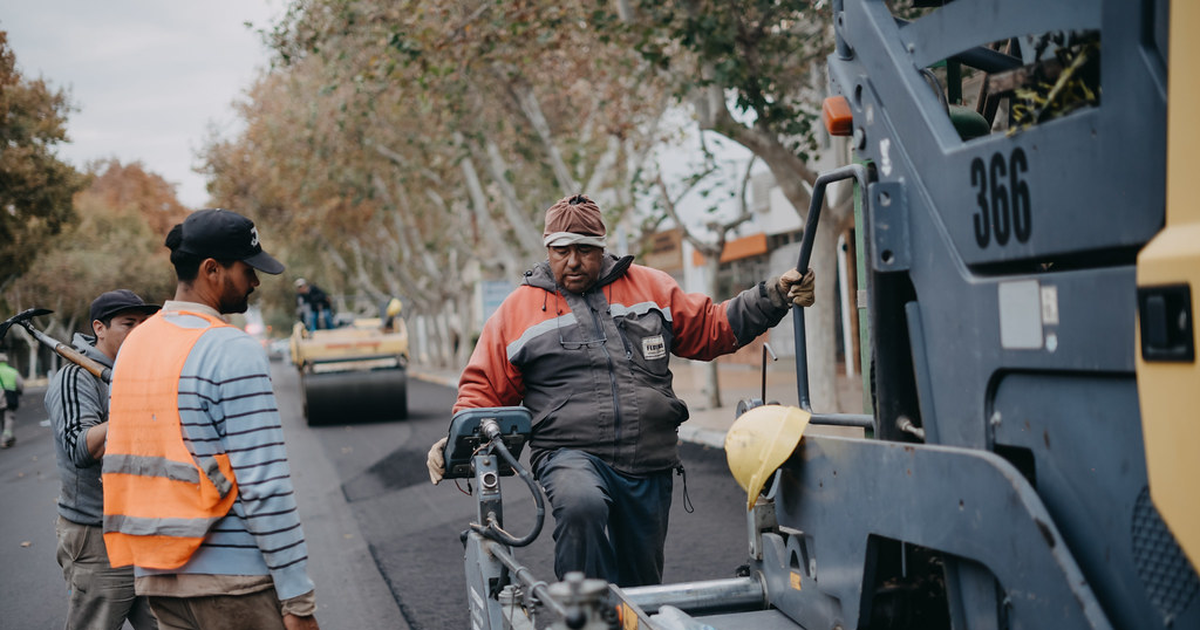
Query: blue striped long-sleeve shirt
227,405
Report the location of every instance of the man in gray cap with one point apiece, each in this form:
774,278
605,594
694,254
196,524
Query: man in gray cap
99,596
584,344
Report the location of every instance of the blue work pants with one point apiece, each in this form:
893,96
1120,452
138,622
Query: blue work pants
607,524
320,318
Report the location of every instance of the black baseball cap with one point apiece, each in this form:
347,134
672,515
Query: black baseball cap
119,301
225,235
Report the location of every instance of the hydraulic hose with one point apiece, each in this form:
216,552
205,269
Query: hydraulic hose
493,530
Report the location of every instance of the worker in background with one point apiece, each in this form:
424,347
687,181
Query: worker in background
99,596
313,305
198,494
391,314
14,386
584,344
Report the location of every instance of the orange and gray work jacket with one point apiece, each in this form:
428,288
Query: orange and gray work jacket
593,367
159,500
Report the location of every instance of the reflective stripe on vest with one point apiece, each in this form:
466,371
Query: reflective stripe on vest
163,467
176,527
159,500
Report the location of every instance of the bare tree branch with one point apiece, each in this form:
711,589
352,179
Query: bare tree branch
533,112
521,226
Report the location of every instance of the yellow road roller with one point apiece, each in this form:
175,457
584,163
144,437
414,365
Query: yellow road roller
355,373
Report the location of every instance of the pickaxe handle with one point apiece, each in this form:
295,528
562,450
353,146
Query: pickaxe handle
99,370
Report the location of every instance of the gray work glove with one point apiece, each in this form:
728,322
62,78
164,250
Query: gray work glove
793,288
436,462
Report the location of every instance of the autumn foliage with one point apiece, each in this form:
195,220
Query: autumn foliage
35,186
116,242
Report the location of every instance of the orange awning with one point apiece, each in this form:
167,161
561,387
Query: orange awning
737,249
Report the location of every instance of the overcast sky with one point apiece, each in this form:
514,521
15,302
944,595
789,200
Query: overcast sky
148,77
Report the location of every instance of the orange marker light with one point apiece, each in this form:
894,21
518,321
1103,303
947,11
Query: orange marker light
628,618
794,580
835,111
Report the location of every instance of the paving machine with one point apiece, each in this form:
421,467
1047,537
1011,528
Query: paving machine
353,373
1025,279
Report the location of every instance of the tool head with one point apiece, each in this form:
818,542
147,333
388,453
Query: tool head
22,318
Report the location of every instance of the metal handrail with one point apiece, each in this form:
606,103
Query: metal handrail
859,173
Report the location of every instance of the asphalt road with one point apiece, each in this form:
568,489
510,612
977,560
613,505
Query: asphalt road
383,543
32,591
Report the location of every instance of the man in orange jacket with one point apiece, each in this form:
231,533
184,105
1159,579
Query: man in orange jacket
584,344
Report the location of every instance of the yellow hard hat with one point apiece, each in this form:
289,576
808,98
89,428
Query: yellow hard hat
394,307
758,443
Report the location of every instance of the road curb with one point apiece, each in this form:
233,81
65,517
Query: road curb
705,437
436,379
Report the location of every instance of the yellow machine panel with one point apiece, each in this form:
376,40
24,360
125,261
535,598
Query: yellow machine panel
1168,277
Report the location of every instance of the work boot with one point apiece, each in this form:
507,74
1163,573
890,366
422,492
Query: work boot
7,440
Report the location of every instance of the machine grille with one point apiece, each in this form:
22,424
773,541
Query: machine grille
1170,581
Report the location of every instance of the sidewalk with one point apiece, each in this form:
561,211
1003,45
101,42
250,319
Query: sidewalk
741,381
737,382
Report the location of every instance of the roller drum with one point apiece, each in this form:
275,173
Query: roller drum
350,397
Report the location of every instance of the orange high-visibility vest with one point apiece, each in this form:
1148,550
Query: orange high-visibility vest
159,501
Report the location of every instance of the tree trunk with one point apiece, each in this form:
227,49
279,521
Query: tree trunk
465,346
446,338
820,324
712,380
31,346
793,176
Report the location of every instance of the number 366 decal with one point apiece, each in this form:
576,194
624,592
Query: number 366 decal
1002,197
